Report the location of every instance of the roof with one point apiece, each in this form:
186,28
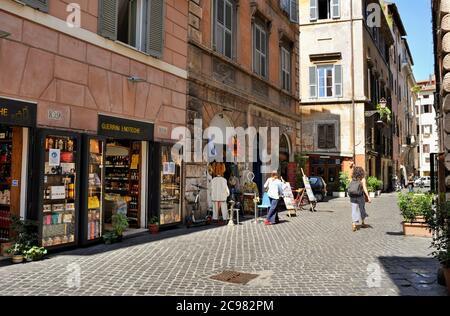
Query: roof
405,41
397,19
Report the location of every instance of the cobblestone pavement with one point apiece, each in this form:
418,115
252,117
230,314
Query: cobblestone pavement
311,254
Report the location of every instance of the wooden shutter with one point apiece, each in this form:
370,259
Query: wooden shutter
155,28
314,10
330,135
41,5
312,82
294,11
335,9
107,20
322,140
338,80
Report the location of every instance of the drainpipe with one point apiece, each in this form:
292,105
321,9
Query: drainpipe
353,83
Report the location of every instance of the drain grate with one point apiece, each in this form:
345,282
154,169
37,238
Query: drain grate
234,277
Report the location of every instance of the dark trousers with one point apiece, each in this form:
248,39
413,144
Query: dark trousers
273,212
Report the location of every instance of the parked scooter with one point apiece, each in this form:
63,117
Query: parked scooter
192,220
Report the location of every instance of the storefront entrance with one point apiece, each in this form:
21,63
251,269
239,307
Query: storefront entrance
328,168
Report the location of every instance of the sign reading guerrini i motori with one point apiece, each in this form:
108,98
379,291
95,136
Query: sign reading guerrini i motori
120,128
19,113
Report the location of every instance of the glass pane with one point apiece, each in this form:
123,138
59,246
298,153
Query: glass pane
132,27
228,51
170,188
321,73
257,63
263,66
257,39
220,11
263,43
329,82
95,190
228,16
219,38
8,158
59,193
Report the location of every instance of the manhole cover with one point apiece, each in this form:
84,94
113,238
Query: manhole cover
234,277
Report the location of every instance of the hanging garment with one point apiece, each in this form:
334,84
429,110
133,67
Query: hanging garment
219,189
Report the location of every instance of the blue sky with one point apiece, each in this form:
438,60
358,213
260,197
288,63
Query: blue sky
416,17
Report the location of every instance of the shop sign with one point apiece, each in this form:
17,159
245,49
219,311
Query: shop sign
19,113
115,127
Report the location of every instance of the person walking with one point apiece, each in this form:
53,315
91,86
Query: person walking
411,183
358,196
275,191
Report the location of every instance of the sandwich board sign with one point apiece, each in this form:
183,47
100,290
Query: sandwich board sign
288,198
311,197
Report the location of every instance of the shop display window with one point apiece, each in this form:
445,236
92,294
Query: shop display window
170,189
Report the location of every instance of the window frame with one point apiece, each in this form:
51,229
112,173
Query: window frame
326,87
224,28
258,26
285,70
140,29
326,125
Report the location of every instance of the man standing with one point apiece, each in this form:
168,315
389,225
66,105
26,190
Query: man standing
275,191
219,195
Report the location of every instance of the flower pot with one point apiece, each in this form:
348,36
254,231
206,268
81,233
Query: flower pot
371,194
153,228
447,278
378,193
17,258
5,246
417,229
339,194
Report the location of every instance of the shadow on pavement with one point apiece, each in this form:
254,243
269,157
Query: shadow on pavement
395,233
413,276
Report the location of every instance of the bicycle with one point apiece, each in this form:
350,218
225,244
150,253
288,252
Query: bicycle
191,220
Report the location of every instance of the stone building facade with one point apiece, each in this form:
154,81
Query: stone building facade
242,72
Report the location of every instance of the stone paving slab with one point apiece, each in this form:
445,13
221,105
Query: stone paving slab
311,254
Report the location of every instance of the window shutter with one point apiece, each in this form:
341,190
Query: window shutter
335,9
294,11
41,5
330,136
285,5
338,80
312,82
322,141
107,21
155,28
313,10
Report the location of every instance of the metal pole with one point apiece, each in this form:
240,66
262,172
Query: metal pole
353,83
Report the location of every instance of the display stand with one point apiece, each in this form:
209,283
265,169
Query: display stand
311,197
289,200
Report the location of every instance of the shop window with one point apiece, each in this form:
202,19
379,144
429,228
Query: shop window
170,188
326,136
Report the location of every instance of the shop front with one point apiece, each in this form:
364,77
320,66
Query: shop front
17,122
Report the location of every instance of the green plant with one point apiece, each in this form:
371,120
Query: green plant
119,223
384,112
379,185
154,220
413,205
25,235
372,184
16,249
344,181
439,224
35,253
110,237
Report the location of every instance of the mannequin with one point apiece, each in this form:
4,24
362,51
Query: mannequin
219,195
250,187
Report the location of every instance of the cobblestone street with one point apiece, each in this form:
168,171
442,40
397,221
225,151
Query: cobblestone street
311,254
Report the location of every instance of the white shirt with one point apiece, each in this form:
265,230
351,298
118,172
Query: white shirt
219,189
275,188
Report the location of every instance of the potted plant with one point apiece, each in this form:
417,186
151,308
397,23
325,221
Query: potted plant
16,252
379,187
119,223
384,112
153,225
110,237
34,253
439,224
417,212
344,182
372,185
4,246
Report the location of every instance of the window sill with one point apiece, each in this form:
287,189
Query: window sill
131,47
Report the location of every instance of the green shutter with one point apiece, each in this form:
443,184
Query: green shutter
41,5
155,28
312,82
107,20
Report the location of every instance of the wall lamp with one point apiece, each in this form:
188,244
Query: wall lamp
4,34
135,79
